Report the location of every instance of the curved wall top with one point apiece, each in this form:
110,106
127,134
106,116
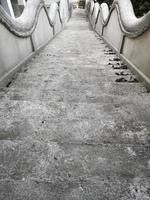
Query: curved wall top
104,12
24,25
22,37
91,6
53,12
129,23
128,35
96,9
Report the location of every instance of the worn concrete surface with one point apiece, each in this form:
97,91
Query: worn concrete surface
69,131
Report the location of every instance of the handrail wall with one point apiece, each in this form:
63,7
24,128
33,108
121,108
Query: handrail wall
128,35
22,37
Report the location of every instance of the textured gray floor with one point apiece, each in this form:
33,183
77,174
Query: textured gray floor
69,131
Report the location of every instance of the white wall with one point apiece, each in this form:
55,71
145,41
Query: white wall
126,35
16,48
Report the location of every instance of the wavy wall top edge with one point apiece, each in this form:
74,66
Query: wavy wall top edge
24,25
129,23
53,12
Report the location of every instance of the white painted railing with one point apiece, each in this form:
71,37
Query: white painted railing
21,37
128,35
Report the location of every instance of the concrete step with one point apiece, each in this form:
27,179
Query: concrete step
68,130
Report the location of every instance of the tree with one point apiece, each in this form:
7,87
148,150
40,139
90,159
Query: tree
140,6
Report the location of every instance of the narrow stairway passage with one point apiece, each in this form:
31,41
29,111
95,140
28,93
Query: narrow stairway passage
68,130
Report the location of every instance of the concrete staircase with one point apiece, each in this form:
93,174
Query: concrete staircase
75,124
